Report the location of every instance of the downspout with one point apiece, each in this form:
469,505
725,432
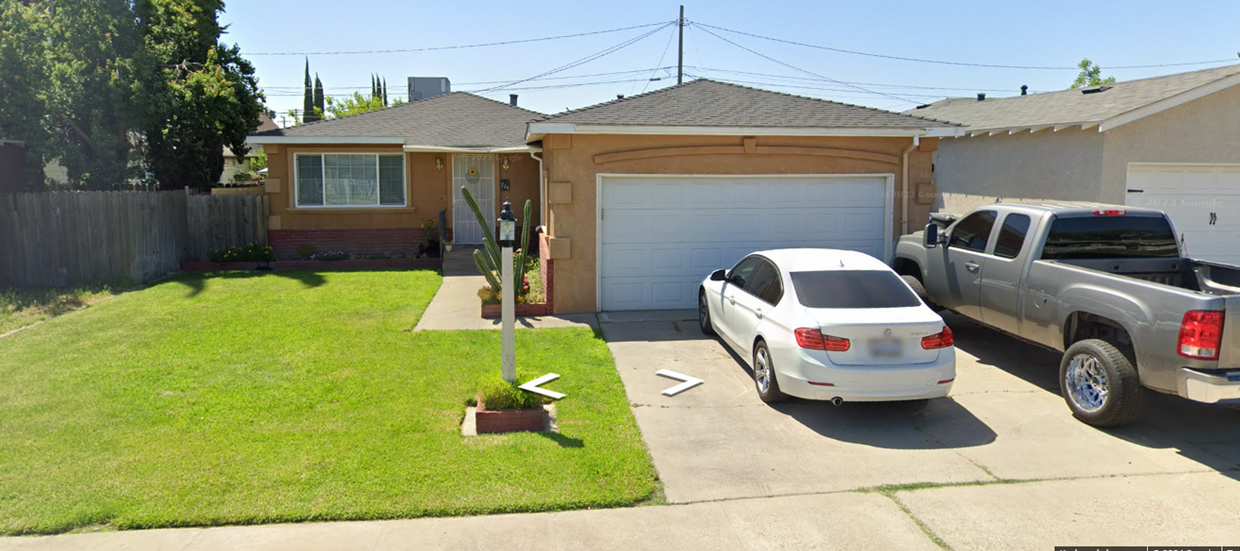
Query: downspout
904,184
542,194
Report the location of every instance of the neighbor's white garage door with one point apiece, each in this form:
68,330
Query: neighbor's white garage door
1202,200
660,236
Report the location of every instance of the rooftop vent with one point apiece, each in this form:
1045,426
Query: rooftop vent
981,97
512,100
1024,89
1095,89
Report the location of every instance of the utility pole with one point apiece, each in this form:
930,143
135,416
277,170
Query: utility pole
680,58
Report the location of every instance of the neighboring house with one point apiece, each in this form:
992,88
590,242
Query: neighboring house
1170,142
234,164
641,197
365,184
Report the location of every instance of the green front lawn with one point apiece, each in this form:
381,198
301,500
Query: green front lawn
245,398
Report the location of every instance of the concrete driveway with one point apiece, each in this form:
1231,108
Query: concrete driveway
989,467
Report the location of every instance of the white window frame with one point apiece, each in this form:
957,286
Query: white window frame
404,178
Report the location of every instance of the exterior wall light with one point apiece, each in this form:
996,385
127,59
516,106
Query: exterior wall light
438,163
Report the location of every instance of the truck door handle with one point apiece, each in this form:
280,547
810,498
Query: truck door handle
732,300
758,313
971,266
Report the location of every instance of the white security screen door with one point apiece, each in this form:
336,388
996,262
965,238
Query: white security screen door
477,174
661,236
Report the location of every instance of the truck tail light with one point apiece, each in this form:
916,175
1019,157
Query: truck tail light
1201,334
813,339
942,339
1110,213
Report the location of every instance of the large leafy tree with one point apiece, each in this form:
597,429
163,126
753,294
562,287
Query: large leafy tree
352,105
106,86
1090,75
68,84
200,95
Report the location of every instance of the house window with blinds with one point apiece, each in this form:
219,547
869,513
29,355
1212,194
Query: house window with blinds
350,180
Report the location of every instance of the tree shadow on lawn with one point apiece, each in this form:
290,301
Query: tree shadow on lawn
197,282
1205,433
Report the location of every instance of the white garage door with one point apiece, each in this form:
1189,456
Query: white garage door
660,236
1202,200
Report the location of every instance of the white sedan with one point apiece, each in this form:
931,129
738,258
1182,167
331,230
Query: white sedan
826,324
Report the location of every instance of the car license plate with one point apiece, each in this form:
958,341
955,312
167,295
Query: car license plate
885,348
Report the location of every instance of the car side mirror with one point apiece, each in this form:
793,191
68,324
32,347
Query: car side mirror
932,238
719,275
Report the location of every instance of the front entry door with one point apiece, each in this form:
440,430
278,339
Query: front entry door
477,174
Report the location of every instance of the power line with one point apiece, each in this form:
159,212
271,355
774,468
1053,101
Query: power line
855,93
658,65
464,46
569,85
958,63
795,68
911,86
581,61
299,88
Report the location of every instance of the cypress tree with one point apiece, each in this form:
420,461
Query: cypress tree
385,92
374,86
319,101
307,111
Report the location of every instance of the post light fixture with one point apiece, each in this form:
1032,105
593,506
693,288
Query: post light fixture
507,226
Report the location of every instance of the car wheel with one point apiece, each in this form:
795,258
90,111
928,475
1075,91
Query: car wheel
1100,384
704,321
764,375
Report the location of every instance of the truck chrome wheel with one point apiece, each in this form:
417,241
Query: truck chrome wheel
762,370
1087,383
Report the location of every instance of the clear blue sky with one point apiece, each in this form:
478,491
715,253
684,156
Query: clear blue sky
1043,33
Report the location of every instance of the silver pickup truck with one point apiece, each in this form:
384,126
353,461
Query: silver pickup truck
1109,286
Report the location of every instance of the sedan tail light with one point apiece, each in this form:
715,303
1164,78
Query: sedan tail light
941,339
1201,333
813,339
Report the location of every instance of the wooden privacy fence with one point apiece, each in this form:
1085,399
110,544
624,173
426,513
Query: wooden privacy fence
77,238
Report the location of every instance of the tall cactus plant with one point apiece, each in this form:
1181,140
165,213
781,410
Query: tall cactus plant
489,263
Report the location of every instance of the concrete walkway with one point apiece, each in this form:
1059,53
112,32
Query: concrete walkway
455,306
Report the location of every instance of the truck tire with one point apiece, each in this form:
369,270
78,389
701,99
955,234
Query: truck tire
920,291
1100,384
918,288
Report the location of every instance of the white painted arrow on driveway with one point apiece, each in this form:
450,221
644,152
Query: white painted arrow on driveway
532,386
689,382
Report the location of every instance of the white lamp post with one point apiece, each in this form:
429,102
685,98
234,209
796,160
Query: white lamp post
508,291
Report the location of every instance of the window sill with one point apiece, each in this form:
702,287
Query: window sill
349,210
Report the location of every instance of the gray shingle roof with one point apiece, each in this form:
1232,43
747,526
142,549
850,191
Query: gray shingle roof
1068,106
457,119
705,102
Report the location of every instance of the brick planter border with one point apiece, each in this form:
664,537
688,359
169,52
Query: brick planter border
281,265
494,311
509,420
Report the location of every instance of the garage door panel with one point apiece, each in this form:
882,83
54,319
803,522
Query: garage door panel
1203,202
662,236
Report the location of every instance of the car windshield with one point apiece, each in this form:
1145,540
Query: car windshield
852,289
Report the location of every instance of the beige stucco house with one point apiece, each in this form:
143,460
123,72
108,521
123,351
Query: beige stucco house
637,199
1170,142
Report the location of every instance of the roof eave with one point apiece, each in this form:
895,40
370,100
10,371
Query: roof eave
465,149
1168,103
536,130
329,140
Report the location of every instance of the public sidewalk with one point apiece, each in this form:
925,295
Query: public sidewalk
830,521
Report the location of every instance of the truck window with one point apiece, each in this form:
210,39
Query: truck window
1012,236
973,232
1104,237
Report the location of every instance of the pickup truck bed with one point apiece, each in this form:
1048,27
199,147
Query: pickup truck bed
1110,287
